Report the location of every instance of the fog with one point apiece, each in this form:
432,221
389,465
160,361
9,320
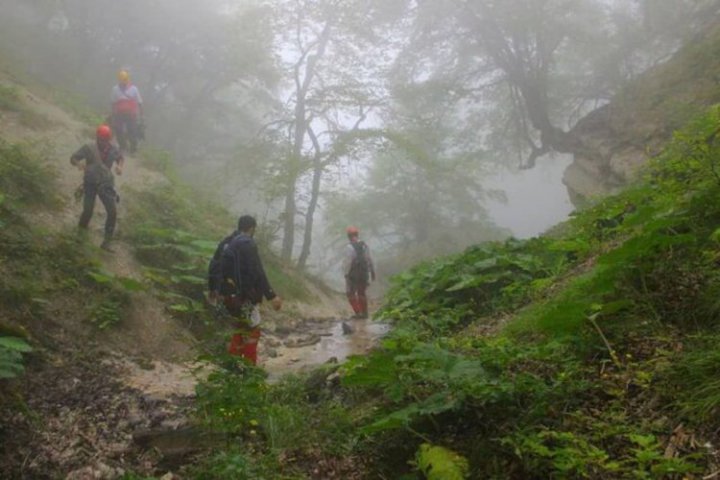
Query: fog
429,125
535,200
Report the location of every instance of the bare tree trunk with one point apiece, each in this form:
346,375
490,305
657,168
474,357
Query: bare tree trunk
310,214
289,223
301,124
294,171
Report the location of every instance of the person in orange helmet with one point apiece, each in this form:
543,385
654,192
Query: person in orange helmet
127,112
96,160
358,270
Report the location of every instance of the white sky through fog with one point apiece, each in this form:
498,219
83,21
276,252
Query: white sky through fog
536,198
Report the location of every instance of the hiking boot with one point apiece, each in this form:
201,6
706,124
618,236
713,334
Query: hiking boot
363,316
105,245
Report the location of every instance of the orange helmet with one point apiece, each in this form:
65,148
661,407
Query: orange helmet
123,76
103,132
353,231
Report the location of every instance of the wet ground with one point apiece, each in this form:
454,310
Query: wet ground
318,342
283,349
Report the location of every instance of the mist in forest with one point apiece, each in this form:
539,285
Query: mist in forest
429,125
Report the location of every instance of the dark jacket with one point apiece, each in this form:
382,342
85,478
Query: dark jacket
97,169
240,258
215,267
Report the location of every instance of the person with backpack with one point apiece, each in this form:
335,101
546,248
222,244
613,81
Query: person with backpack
358,270
236,277
127,112
98,180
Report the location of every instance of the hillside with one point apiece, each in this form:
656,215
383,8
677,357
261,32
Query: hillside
111,341
589,352
639,121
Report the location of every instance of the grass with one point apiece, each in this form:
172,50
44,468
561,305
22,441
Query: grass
10,99
77,107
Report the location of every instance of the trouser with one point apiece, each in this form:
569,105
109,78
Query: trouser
107,195
244,340
125,126
356,294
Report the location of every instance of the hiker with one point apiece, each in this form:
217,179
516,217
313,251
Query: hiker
127,112
98,180
236,276
358,270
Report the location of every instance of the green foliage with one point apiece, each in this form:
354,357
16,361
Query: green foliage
78,107
24,178
10,98
439,463
11,361
626,272
106,313
485,280
175,235
232,464
158,160
107,309
694,381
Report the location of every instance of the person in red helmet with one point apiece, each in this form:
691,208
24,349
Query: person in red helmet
97,160
358,270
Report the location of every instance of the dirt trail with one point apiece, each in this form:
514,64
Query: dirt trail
140,374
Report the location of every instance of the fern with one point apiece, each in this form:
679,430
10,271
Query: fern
11,360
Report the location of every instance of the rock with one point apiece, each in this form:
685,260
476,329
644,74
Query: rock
134,418
303,342
173,424
347,329
99,471
177,442
333,379
271,352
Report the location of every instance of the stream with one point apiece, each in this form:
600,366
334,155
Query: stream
281,351
321,341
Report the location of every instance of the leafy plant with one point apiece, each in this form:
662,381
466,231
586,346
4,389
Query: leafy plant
439,463
11,361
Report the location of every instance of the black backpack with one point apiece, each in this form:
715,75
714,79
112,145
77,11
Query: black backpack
230,278
360,268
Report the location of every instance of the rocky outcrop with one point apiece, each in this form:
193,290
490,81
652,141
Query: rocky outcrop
623,135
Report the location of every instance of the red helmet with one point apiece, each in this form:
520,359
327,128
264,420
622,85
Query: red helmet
103,132
353,231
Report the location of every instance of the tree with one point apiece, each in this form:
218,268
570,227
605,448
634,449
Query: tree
522,70
323,47
421,197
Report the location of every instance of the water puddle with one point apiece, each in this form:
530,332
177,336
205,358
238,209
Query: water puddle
319,342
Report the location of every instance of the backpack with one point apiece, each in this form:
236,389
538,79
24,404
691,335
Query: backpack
360,268
230,282
215,273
